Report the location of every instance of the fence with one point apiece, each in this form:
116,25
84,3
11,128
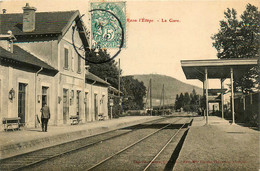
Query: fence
247,108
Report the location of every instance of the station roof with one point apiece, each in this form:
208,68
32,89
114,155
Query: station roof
24,57
45,22
48,26
114,90
217,68
92,77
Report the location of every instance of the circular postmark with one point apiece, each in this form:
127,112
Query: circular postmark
106,31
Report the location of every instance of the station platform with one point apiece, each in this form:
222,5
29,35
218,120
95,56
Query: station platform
26,140
219,145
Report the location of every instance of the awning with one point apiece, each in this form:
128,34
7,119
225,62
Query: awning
217,68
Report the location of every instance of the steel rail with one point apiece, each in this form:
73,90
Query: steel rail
46,157
168,142
129,146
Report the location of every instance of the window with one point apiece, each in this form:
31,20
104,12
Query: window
71,97
72,62
44,95
66,58
102,100
79,64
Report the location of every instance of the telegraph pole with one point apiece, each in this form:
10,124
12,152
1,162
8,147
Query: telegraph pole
119,76
147,96
119,83
163,99
151,103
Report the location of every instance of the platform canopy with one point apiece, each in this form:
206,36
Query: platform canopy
217,68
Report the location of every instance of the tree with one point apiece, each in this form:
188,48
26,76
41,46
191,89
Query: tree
186,98
240,39
135,91
181,100
250,32
194,101
189,102
177,103
107,71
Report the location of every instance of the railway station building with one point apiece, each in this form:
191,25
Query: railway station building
39,65
97,92
25,82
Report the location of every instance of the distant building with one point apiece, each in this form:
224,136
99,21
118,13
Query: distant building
40,65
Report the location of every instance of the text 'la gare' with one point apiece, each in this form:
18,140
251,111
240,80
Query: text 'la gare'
146,20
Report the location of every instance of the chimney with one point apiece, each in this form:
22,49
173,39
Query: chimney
6,41
10,42
28,18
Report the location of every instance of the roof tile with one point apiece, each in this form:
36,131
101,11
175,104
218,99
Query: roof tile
25,57
46,22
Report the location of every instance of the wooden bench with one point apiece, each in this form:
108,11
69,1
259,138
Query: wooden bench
11,123
75,120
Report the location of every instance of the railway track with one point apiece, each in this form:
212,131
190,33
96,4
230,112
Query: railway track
27,160
163,148
144,163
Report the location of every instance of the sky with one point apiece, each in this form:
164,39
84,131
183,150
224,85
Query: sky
157,47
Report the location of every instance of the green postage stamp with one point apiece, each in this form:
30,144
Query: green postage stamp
108,24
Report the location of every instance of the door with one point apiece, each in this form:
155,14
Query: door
22,102
86,106
102,104
65,106
78,104
95,107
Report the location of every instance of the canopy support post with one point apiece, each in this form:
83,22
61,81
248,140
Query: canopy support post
222,97
232,95
207,96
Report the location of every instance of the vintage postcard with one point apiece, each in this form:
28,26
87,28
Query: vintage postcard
129,85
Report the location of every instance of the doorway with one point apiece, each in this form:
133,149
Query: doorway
86,106
78,104
22,102
65,106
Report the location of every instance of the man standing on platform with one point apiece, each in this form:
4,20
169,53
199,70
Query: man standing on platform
45,117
